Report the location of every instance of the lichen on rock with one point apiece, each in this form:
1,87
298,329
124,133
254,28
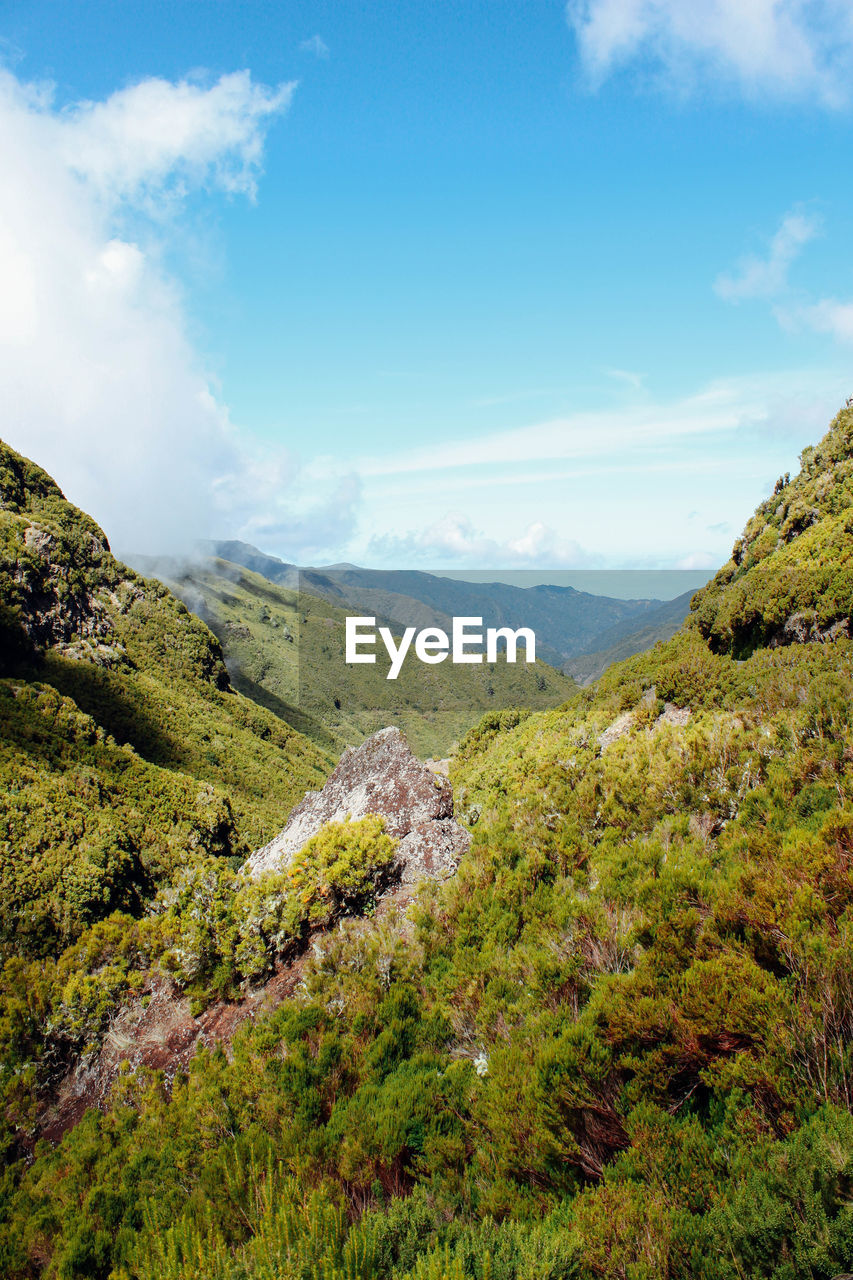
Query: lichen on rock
384,777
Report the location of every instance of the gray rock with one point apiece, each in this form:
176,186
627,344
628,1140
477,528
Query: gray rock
671,714
383,777
801,628
620,726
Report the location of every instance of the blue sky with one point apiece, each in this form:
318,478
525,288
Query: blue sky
478,284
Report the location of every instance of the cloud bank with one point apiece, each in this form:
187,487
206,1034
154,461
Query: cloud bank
99,381
454,538
780,49
654,482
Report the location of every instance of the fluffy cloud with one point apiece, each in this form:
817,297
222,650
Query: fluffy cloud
455,539
99,381
157,136
767,277
778,48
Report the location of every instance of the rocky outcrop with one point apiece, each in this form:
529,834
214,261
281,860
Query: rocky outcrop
678,717
383,777
57,606
156,1030
800,628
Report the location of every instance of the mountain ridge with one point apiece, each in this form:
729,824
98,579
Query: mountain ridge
286,648
567,622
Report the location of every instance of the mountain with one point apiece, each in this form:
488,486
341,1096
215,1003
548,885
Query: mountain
567,622
284,647
123,747
626,638
615,1043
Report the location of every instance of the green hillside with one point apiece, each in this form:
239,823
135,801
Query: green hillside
285,648
123,748
617,1044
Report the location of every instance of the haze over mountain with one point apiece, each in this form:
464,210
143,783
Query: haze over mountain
567,622
285,648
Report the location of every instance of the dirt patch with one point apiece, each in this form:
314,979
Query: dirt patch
157,1030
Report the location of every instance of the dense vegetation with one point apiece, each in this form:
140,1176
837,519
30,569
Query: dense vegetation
125,758
122,745
619,1043
285,648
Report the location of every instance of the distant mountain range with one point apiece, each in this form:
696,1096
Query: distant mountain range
575,630
284,648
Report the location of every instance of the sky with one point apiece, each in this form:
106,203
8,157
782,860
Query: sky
429,285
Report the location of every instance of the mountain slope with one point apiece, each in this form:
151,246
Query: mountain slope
627,638
123,748
790,577
615,1044
567,622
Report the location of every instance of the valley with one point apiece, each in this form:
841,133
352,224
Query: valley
580,1009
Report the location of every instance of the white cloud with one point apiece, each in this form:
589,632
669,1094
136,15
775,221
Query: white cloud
721,409
157,137
99,381
697,560
826,316
281,504
598,488
786,49
767,277
316,45
455,538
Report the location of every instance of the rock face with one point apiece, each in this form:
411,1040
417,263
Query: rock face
157,1030
801,629
56,608
382,776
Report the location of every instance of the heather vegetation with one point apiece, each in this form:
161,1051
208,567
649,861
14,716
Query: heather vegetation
122,745
618,1043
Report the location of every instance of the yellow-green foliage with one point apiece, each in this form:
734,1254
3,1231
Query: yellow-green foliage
795,558
339,869
122,748
234,927
210,929
616,1044
88,826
